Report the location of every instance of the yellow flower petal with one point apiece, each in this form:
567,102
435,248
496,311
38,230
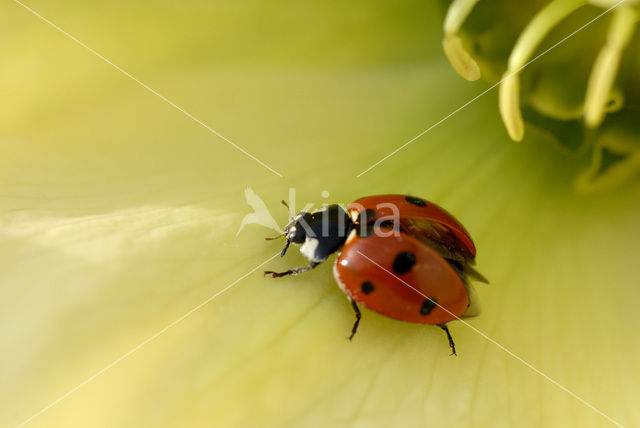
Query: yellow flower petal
119,215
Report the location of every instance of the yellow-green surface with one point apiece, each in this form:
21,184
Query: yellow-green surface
119,214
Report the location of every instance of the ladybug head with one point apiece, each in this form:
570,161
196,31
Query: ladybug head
321,232
296,230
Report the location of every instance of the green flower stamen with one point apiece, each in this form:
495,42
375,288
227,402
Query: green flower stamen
460,59
583,97
606,66
509,103
522,52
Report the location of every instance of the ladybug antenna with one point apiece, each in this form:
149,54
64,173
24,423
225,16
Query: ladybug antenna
287,205
286,245
276,237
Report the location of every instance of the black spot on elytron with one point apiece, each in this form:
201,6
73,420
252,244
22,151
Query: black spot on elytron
416,201
404,262
428,305
367,287
366,216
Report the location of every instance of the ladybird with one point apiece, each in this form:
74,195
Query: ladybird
401,256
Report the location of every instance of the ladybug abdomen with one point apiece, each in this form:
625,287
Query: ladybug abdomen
400,277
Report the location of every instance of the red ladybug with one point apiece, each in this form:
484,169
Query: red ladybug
401,256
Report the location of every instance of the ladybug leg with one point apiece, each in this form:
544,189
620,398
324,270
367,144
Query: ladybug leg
295,271
451,344
286,247
358,316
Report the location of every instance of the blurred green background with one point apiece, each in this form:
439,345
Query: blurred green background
118,214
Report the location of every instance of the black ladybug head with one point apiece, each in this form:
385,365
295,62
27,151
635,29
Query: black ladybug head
321,232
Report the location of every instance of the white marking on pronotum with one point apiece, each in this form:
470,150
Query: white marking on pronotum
308,249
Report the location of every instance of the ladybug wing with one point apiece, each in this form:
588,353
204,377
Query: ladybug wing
446,243
439,237
410,207
400,277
